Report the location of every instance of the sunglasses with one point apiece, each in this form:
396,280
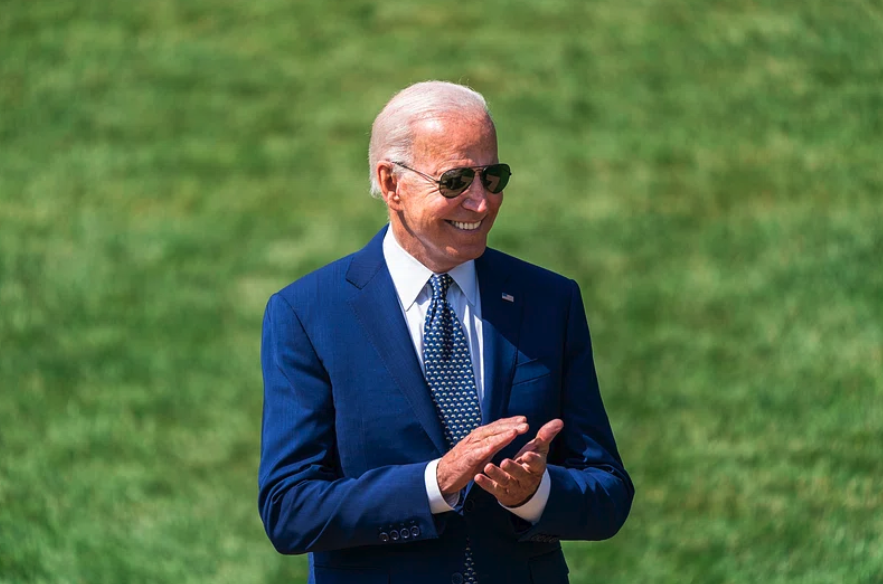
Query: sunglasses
452,182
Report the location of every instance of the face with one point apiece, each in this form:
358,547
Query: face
443,233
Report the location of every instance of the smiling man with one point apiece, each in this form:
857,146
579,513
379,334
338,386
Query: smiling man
431,410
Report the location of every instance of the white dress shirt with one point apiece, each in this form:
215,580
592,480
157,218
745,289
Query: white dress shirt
411,281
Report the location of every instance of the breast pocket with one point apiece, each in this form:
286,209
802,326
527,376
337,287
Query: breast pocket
535,392
530,370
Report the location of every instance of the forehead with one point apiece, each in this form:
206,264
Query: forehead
455,138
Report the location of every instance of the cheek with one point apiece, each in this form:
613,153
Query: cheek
440,210
493,209
418,214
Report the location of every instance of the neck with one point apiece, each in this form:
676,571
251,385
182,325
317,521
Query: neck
412,246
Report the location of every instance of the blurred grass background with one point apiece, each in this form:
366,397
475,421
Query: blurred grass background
708,171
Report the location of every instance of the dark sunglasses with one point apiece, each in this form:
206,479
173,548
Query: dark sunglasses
452,182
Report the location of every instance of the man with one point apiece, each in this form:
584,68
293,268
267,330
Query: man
431,408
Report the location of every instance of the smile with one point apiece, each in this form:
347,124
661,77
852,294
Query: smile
466,226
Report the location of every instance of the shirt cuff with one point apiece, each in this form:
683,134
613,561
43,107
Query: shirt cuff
533,509
438,503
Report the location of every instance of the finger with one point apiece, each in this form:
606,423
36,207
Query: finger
499,476
529,457
484,462
493,444
504,423
532,446
518,472
535,463
549,430
529,447
513,431
544,436
488,485
519,423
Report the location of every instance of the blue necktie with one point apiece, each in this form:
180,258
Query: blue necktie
450,377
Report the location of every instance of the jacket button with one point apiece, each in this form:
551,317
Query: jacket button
384,537
469,505
415,531
456,578
405,533
393,535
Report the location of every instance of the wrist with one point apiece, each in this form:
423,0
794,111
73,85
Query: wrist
444,483
527,500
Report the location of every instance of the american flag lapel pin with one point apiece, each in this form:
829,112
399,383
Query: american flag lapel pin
508,297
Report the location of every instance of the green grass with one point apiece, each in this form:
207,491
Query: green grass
708,171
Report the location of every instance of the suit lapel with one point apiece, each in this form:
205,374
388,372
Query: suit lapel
501,322
378,312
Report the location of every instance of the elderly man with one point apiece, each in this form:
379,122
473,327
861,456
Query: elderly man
431,410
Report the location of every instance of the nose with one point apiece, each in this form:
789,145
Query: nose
476,196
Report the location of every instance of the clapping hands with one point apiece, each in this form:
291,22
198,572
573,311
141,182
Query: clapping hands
514,482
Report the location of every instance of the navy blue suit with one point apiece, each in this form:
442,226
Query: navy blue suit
349,427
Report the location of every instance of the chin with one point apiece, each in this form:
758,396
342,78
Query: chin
465,254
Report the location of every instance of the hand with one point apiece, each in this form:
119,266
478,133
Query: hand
469,455
514,482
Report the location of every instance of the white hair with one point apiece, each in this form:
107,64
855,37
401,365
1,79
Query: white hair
392,135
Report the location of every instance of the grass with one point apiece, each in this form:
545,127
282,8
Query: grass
708,171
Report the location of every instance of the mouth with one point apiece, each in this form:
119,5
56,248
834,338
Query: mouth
463,226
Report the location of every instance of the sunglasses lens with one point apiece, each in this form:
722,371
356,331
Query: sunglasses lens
454,182
496,177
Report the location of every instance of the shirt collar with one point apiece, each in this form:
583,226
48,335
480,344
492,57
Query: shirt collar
409,276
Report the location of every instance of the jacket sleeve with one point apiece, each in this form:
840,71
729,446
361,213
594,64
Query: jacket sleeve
304,500
591,493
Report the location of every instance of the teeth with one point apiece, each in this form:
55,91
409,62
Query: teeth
466,226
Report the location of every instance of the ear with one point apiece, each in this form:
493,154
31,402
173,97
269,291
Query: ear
389,184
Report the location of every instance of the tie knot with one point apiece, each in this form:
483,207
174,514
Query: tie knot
440,284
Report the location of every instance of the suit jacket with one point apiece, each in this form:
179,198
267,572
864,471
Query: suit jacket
349,426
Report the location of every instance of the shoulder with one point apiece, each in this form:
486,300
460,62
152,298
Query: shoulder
549,300
527,275
328,285
315,302
321,286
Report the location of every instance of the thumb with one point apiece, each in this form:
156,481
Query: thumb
547,433
543,438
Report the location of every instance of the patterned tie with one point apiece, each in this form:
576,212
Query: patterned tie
449,375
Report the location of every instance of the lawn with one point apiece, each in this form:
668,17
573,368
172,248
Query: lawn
708,171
